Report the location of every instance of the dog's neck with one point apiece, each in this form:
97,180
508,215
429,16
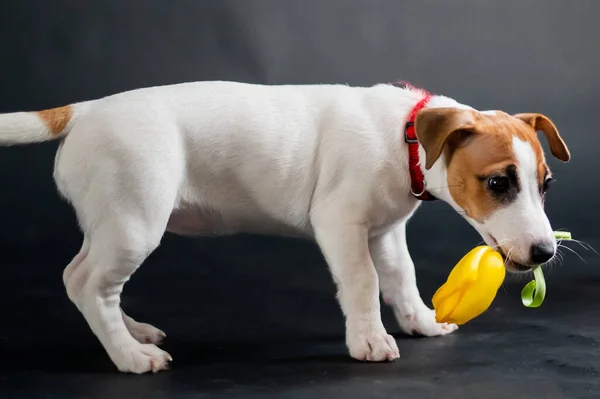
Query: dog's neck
399,101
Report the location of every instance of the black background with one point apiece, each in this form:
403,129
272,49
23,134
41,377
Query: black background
257,315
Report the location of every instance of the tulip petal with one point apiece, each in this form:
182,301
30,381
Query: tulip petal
471,286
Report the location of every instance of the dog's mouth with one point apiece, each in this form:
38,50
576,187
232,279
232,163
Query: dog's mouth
510,264
514,266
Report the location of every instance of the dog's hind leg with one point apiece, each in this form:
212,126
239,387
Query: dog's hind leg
123,227
118,246
142,332
123,188
77,259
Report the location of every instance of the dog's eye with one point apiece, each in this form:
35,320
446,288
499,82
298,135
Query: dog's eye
499,184
546,186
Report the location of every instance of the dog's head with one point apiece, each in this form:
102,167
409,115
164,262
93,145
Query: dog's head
496,176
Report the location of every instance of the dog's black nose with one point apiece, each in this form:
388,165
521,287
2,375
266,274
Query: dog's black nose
541,252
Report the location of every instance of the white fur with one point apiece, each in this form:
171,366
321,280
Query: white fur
324,162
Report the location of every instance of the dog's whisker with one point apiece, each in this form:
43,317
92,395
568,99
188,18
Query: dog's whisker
550,265
558,258
573,251
499,243
557,261
509,251
582,245
585,245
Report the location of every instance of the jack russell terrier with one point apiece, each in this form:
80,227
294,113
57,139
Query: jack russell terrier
345,166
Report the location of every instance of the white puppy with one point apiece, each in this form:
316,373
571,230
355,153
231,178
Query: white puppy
328,162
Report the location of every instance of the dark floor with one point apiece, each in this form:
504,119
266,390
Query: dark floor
256,318
253,317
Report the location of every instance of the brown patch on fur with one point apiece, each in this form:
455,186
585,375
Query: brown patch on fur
56,119
478,146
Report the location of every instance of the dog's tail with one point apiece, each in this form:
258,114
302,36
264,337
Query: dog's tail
38,126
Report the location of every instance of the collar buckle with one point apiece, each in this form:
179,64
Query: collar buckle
407,139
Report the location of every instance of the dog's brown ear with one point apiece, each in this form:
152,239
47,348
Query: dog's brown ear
542,123
438,127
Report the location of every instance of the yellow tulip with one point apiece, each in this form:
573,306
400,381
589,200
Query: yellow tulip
471,286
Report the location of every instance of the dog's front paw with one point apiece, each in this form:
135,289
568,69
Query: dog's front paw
373,345
422,322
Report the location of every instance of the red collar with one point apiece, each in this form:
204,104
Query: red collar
410,137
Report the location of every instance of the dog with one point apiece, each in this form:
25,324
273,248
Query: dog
344,166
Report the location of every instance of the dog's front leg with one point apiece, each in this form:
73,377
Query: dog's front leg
346,250
399,286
